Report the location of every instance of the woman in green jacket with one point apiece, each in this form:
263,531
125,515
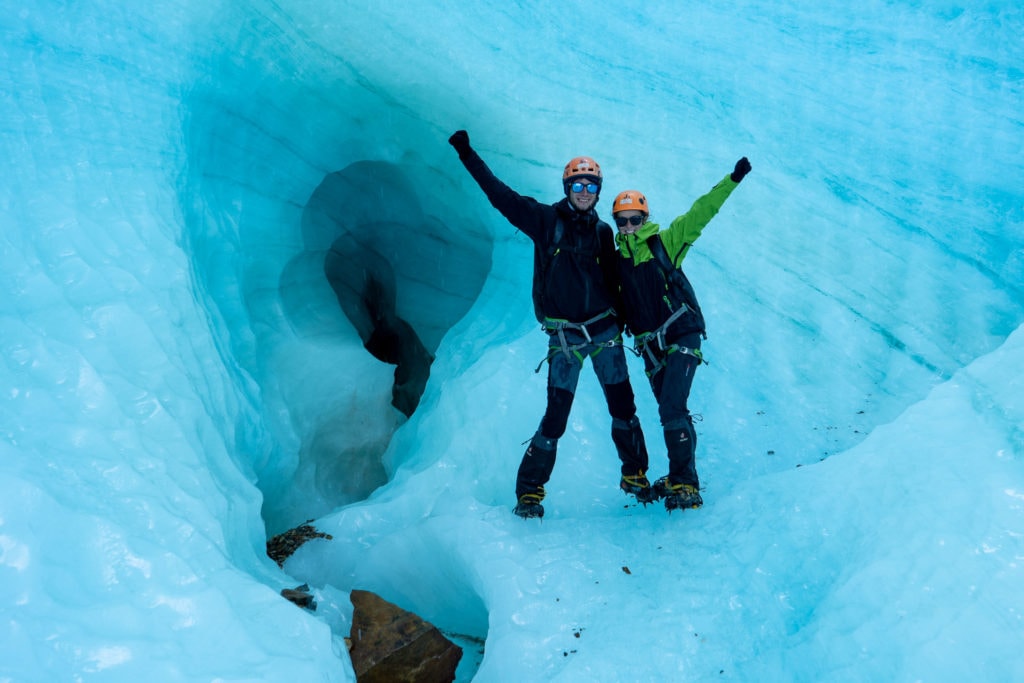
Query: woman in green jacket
662,313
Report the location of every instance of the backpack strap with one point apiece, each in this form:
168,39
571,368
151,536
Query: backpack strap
683,289
673,276
657,248
559,230
557,246
541,262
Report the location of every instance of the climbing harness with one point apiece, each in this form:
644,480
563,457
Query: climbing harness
642,344
558,327
659,362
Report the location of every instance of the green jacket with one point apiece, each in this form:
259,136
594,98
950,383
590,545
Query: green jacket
682,232
646,295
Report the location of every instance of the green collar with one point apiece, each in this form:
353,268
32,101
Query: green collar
639,237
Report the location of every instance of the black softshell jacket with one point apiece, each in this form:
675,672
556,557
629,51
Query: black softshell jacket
575,279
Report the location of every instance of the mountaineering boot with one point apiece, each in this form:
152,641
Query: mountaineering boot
677,496
534,472
638,486
632,450
529,506
681,441
688,497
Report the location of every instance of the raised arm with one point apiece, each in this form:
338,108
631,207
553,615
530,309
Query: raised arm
684,230
523,212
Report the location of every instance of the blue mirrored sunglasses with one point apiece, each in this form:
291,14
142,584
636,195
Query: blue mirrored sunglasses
592,188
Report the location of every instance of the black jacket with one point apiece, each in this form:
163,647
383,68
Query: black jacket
575,274
650,296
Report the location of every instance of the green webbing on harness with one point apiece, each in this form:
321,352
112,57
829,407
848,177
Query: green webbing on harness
661,363
659,334
571,350
642,343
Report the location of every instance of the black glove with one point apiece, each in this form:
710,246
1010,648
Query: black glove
741,170
460,141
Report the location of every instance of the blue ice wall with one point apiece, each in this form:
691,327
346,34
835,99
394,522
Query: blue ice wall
178,381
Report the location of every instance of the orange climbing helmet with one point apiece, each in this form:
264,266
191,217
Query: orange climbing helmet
582,166
630,200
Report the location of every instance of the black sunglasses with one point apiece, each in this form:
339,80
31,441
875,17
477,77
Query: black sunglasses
632,220
592,188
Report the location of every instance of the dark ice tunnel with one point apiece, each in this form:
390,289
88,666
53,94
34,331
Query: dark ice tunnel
402,277
406,261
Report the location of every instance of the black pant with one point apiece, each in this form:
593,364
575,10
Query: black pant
564,365
671,375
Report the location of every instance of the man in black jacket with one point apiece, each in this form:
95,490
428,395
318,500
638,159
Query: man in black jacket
575,293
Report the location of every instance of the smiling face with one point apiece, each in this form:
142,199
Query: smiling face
583,193
628,222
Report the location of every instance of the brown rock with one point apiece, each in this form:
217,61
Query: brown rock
391,645
301,596
281,547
